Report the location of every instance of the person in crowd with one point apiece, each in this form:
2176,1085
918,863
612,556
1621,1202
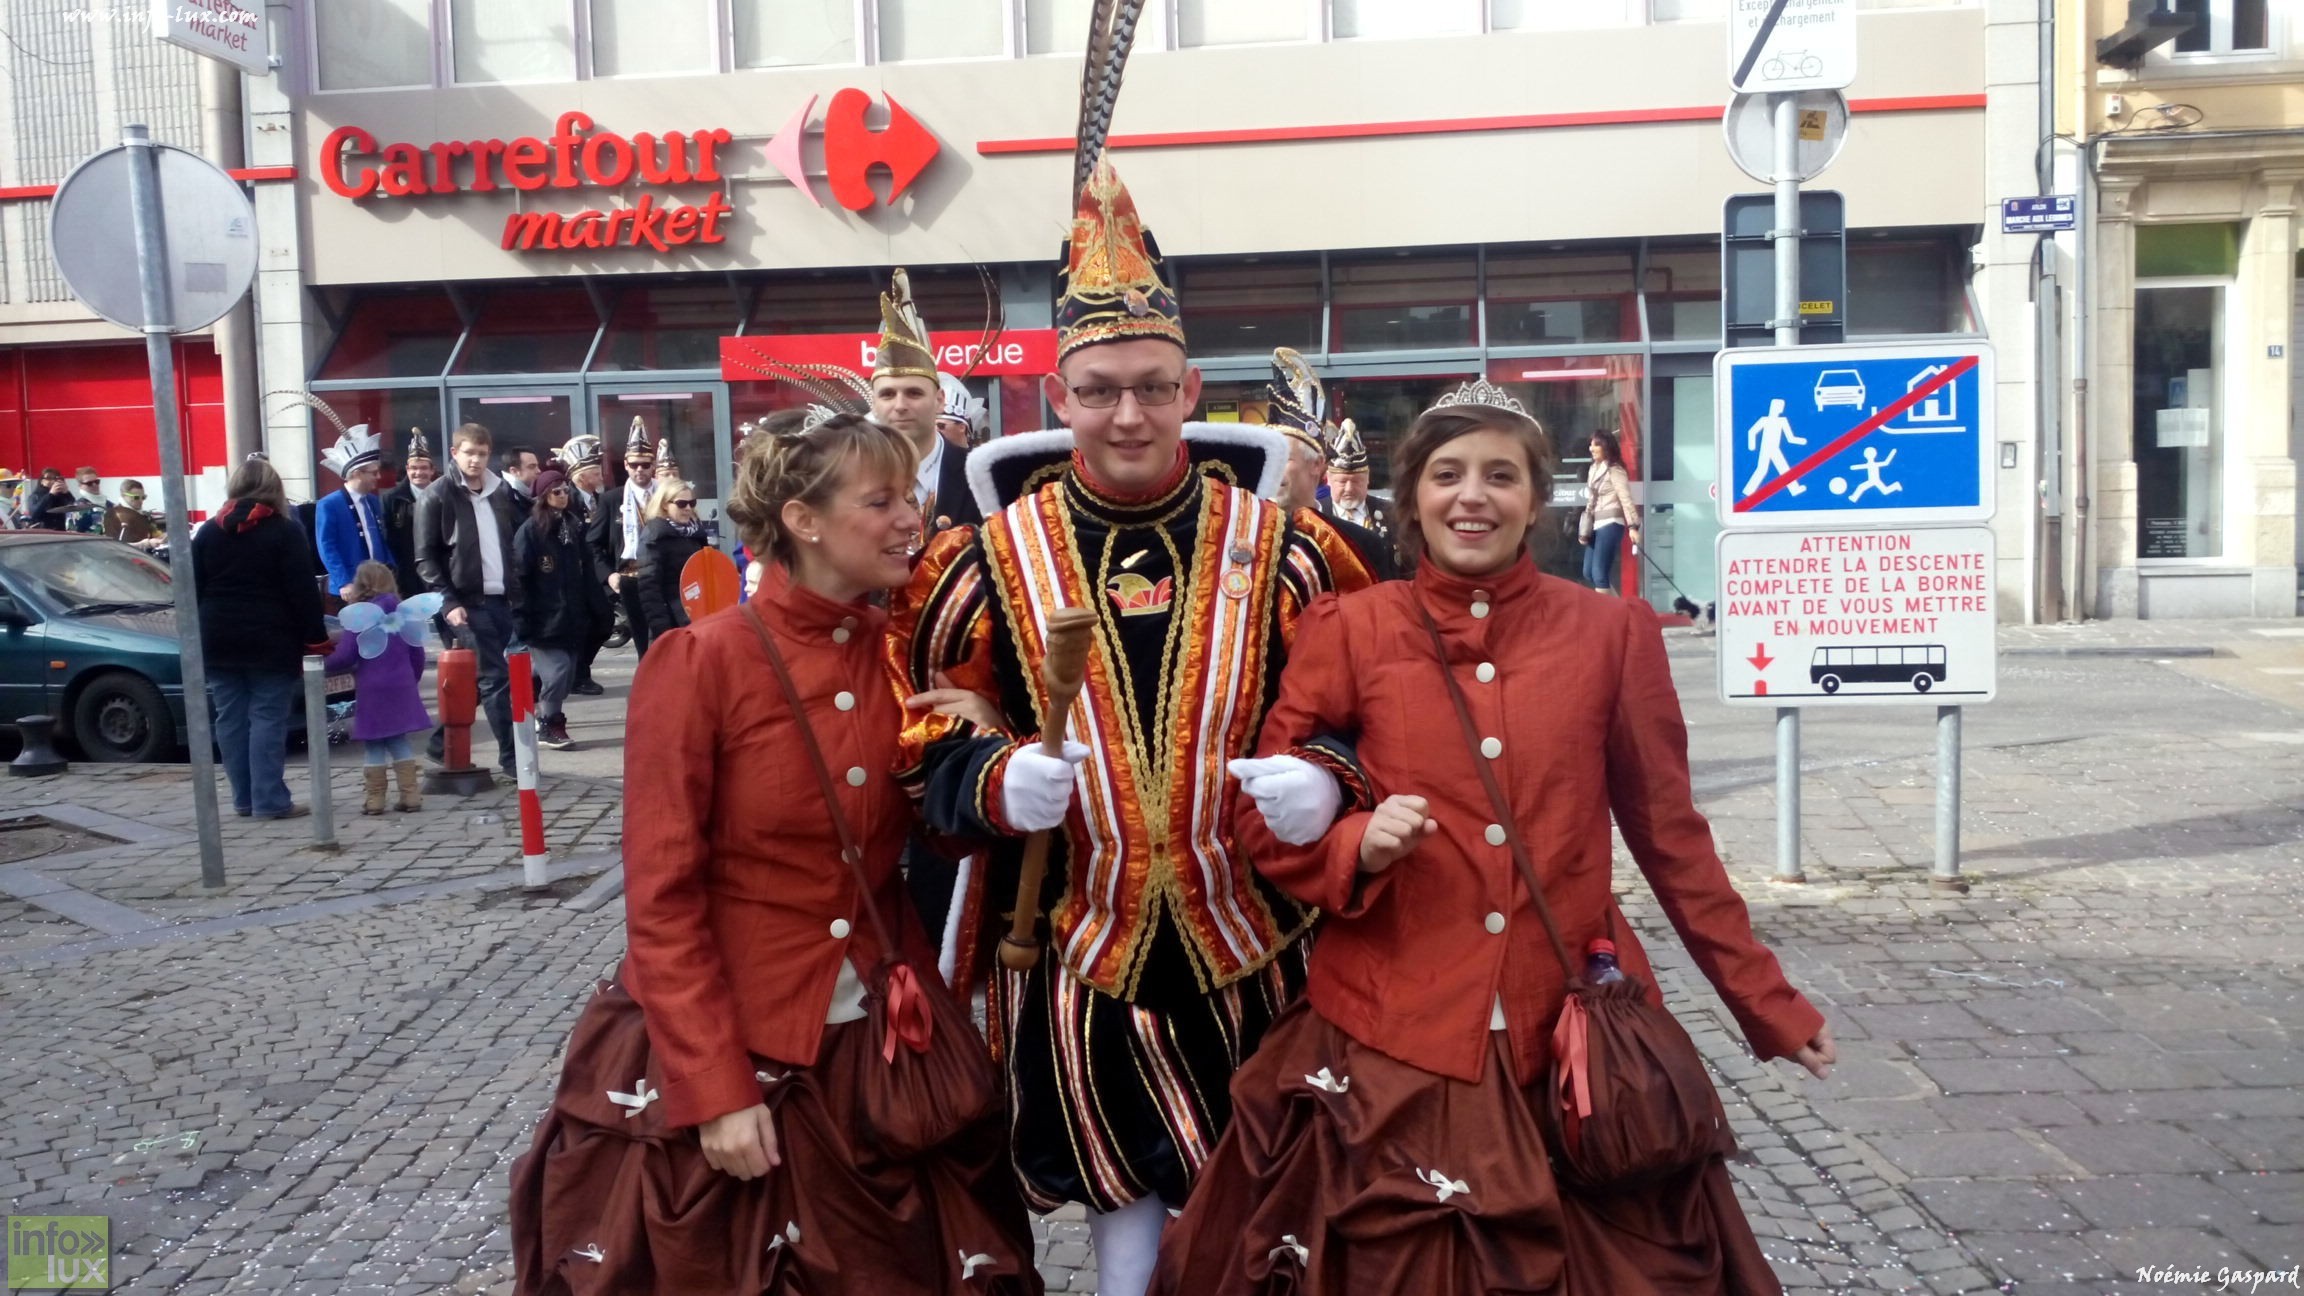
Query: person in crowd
389,686
47,505
630,516
965,422
417,473
464,529
724,1067
260,614
672,536
1165,958
564,600
520,468
580,459
350,521
86,515
1434,985
1348,497
128,523
1609,514
908,395
1297,407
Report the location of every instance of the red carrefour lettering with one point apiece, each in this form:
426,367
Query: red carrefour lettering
342,140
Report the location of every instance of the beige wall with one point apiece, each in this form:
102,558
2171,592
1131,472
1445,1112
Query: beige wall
1587,182
2234,95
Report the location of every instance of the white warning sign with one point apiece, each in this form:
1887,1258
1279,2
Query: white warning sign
1873,616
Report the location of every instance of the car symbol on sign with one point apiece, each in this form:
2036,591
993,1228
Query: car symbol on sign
1839,387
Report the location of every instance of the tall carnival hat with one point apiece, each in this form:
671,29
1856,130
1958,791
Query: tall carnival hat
963,406
1109,289
664,464
417,450
1299,404
357,448
582,451
1348,453
905,351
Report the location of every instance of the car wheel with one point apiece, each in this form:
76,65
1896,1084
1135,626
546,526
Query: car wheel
122,717
1923,683
1831,683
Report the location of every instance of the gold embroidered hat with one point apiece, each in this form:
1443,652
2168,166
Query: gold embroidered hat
1349,454
1296,403
905,351
1110,289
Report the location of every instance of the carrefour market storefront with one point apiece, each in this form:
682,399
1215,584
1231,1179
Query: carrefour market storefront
615,255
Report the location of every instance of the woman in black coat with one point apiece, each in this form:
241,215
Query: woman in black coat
669,540
260,613
565,610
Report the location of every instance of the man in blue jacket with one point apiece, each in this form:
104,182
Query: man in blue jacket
349,523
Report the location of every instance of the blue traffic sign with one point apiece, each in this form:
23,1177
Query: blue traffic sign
1846,435
2038,215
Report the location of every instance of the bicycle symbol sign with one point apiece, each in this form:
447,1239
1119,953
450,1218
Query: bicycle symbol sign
1785,45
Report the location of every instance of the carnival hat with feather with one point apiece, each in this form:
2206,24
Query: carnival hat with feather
1109,288
355,447
905,351
582,451
418,451
1298,403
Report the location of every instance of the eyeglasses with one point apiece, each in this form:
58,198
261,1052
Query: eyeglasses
1105,396
686,503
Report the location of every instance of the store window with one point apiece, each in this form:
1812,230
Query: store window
2226,26
1553,15
1240,22
530,330
1384,18
1900,285
395,335
685,418
1572,398
513,40
1055,27
794,33
1683,293
2174,251
1687,10
2179,428
819,301
911,30
650,38
370,44
1250,305
1563,297
1402,302
667,326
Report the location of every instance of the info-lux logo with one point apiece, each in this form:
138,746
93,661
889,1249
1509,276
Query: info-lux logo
59,1252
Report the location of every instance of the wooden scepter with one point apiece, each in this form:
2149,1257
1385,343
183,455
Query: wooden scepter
1062,670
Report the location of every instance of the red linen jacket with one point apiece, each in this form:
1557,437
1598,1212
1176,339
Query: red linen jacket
739,910
1575,688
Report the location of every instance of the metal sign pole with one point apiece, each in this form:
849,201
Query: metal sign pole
159,353
1946,876
1787,234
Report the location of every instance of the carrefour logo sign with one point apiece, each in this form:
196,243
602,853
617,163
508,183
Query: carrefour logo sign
578,155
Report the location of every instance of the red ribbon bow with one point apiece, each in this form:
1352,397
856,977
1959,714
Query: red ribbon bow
908,1018
1572,1044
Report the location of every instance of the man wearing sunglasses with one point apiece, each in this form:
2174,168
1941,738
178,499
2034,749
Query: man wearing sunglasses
1162,947
631,516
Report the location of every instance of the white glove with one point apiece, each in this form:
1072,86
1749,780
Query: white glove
1296,797
1036,789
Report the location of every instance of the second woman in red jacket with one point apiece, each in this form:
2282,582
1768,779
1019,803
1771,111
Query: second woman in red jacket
1386,1138
710,1134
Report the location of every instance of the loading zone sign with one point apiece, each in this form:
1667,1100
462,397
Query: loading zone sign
1899,614
1854,435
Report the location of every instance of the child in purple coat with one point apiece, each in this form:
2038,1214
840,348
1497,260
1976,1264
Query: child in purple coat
387,665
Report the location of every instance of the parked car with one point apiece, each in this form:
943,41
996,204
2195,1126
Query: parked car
88,636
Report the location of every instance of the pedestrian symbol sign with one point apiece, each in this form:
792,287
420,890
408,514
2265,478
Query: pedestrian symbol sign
1854,435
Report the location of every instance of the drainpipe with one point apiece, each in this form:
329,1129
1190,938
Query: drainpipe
221,138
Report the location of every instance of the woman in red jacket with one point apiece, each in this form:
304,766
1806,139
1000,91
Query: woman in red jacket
1385,1137
709,1134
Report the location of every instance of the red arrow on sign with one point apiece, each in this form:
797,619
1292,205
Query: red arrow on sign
1760,658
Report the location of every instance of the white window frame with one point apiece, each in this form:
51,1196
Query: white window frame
444,43
2279,59
1011,37
2232,392
1315,23
1471,17
717,30
308,20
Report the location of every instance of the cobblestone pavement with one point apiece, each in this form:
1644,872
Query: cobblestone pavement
2085,1066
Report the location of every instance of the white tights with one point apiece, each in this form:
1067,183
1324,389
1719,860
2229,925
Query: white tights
1127,1243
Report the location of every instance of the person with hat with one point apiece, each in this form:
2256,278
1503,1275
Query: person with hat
1348,497
580,460
909,395
348,523
1164,957
417,471
1297,406
631,516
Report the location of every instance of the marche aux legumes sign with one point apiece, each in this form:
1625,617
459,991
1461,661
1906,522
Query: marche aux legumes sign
579,156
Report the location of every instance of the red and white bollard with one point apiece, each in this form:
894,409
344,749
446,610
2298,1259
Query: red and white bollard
533,857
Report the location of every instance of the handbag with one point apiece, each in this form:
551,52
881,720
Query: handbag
1627,1098
935,1081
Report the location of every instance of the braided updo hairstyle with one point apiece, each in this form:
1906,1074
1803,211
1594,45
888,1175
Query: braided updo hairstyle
779,463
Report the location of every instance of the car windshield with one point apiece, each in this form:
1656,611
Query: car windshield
90,576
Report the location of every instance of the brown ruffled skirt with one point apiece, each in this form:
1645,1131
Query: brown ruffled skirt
609,1199
1346,1171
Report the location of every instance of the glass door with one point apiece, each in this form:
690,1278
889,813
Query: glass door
2179,430
1573,397
692,417
1682,520
517,418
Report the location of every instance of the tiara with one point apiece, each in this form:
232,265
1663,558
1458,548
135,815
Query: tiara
1480,391
818,416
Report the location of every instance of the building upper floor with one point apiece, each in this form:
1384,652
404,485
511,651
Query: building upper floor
2141,67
